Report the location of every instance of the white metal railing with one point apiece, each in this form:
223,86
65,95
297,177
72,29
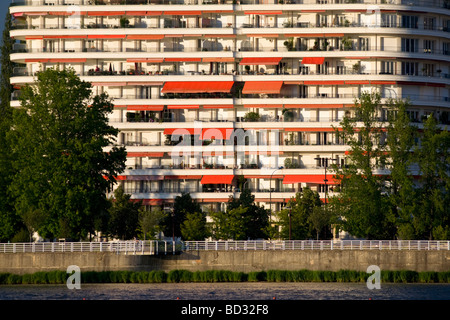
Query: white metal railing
119,247
317,245
170,247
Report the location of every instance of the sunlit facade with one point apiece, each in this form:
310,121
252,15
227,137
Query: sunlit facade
268,77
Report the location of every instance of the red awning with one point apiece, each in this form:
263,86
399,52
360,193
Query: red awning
174,107
145,37
183,59
218,134
260,61
106,13
324,129
106,36
145,108
264,12
197,86
263,106
145,154
218,106
309,178
180,131
144,177
218,60
217,179
67,60
183,13
313,60
269,87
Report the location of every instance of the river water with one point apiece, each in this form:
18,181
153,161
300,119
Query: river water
228,291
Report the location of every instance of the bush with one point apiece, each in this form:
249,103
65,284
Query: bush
257,276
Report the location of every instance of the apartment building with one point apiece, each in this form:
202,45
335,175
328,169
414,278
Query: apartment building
212,96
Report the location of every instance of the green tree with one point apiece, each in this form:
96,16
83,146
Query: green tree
301,210
194,228
363,206
10,222
60,166
230,224
150,223
124,215
432,215
255,222
183,205
400,141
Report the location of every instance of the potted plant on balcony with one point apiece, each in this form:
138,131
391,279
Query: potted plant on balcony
252,116
288,115
289,44
124,22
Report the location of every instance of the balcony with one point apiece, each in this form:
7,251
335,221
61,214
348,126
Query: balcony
420,3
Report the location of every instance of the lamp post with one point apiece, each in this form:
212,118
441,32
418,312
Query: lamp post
270,191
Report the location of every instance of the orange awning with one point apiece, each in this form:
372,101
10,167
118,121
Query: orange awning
197,86
183,13
319,106
263,35
106,36
218,134
180,131
67,60
218,59
309,178
145,108
66,37
260,61
263,106
146,154
313,60
105,13
217,179
325,129
264,12
218,106
145,37
255,87
174,107
323,83
183,59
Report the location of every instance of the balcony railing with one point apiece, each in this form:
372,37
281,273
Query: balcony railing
220,48
421,3
220,25
317,245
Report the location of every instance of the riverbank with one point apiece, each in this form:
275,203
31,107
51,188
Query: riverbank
185,276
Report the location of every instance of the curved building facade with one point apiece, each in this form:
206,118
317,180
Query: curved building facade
212,96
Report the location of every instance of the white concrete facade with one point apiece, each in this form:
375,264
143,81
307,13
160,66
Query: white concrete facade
185,65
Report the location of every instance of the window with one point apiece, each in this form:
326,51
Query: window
429,23
413,115
410,68
410,45
428,69
446,48
387,67
364,44
428,46
410,22
388,20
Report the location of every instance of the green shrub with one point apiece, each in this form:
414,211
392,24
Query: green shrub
257,276
428,277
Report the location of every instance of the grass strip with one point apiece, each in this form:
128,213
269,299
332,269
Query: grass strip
186,276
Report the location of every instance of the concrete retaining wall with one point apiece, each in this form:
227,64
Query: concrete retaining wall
245,261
